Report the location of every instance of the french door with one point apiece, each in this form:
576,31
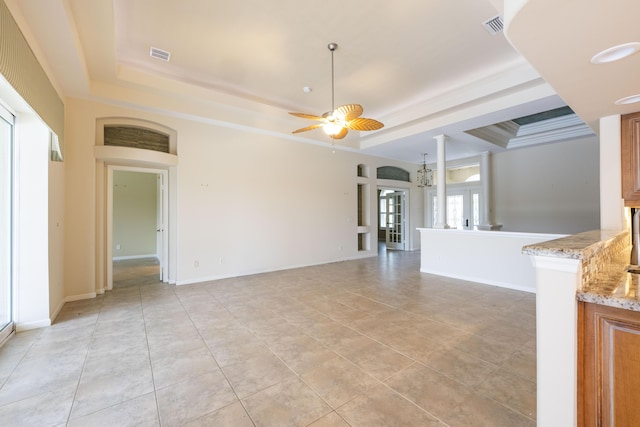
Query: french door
6,186
396,220
462,209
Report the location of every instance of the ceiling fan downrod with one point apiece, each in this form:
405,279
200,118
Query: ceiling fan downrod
332,47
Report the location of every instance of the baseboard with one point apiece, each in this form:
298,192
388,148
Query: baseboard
57,310
367,254
80,297
20,327
123,258
483,281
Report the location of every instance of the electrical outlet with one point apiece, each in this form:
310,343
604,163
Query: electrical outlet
196,263
117,246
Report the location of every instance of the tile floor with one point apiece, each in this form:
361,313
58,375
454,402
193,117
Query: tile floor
371,342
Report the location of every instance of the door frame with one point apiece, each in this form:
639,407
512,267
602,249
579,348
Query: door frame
162,210
405,214
106,155
401,245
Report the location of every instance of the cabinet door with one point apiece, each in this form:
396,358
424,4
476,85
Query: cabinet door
630,158
611,382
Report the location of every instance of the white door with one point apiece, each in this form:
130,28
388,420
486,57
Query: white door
396,220
462,209
161,215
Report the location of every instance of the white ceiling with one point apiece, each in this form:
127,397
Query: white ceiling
422,67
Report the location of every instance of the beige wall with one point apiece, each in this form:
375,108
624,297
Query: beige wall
246,202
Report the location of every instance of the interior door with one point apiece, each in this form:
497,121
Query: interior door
161,225
396,220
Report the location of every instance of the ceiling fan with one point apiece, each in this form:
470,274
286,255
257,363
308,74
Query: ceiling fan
337,122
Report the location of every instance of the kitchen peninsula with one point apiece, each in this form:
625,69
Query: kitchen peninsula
584,294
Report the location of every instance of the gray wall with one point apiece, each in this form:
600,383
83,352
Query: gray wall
134,214
551,188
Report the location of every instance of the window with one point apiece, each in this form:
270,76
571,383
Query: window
460,174
463,198
6,184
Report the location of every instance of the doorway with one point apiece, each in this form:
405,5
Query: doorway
463,208
137,226
392,218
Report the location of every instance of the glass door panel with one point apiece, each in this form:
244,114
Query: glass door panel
455,211
395,220
462,210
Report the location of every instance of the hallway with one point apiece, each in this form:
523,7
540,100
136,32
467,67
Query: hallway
371,342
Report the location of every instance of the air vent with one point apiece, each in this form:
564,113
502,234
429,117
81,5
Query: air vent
160,54
494,25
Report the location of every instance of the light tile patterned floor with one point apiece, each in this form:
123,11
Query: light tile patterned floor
371,342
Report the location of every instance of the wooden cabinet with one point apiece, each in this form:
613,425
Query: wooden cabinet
630,158
609,366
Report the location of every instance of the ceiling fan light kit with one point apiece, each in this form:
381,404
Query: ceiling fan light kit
337,122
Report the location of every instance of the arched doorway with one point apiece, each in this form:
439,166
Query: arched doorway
126,156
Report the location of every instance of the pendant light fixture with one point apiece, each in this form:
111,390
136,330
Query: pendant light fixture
424,176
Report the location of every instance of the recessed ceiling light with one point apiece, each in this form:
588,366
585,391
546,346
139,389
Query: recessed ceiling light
616,53
628,100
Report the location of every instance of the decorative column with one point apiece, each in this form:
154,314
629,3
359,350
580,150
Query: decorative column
486,220
441,187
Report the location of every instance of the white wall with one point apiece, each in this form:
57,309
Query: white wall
31,284
39,201
247,202
612,211
134,214
56,237
552,188
490,257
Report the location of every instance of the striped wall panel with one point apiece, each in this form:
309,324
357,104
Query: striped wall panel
22,70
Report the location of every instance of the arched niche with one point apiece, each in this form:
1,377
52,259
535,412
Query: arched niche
393,173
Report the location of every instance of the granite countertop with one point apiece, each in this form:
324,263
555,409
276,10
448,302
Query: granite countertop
620,290
576,246
606,276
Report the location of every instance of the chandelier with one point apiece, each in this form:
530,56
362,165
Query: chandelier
424,176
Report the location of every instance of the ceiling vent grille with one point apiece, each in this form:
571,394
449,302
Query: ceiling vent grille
160,54
494,25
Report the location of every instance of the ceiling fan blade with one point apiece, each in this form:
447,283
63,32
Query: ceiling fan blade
364,124
312,127
350,111
307,116
343,132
